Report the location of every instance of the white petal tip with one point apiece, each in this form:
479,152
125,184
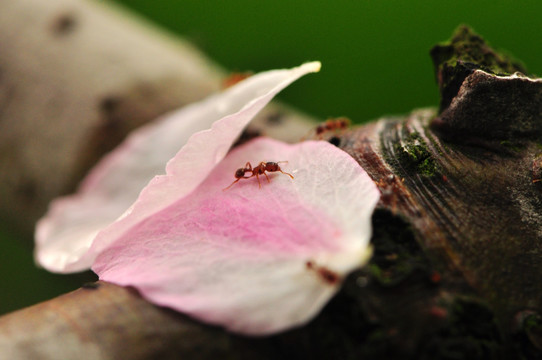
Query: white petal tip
313,66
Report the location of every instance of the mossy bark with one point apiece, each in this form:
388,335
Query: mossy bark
465,181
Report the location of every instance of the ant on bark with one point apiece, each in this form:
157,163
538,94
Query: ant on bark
332,124
335,125
257,171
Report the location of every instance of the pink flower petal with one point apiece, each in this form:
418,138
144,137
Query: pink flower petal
255,261
65,235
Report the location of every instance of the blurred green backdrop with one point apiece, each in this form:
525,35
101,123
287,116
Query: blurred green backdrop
375,62
374,52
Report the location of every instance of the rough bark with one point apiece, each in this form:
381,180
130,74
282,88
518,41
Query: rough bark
457,245
75,77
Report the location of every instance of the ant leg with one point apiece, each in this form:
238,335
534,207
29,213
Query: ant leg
233,183
258,178
267,177
285,173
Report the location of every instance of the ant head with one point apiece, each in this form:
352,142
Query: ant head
239,173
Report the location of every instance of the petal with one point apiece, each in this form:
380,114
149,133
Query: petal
64,236
254,260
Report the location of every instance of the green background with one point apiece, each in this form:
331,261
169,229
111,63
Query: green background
375,62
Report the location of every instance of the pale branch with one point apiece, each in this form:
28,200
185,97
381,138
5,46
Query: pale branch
105,321
75,77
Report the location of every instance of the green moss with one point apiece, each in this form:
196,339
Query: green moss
427,167
467,47
512,146
533,323
414,154
464,53
391,276
377,273
528,342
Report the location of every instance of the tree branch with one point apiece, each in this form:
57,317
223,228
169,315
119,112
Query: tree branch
105,321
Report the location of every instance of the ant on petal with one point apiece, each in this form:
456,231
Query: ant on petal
257,171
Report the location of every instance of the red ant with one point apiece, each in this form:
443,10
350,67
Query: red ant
333,124
257,171
340,123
